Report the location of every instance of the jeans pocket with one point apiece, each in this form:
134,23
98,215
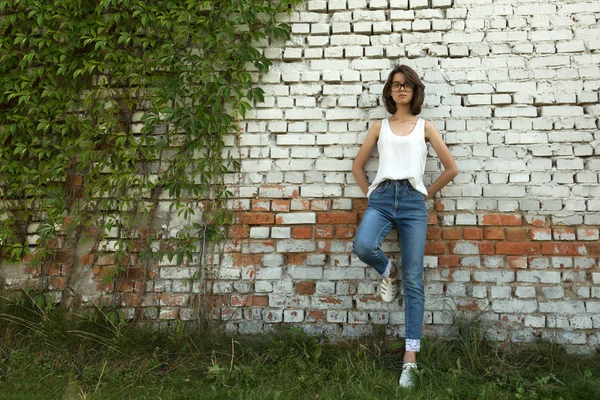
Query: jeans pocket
380,188
412,190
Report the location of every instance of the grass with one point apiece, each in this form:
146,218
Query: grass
48,354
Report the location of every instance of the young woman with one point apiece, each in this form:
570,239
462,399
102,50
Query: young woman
397,199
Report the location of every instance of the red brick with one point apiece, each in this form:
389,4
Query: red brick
239,232
256,218
434,233
261,205
316,314
68,221
502,220
302,232
174,299
521,235
569,249
241,300
433,248
518,249
320,204
247,260
324,232
517,262
130,299
493,233
432,219
52,269
486,248
280,205
359,204
74,181
344,232
439,206
295,259
87,259
593,249
473,233
338,217
219,300
56,283
93,232
105,287
448,261
134,273
260,301
305,287
56,243
452,234
100,272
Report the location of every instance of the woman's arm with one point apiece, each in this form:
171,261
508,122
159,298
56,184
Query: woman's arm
363,156
432,135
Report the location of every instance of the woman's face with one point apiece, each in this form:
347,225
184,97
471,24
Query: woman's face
401,91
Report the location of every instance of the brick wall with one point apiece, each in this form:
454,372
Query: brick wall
512,86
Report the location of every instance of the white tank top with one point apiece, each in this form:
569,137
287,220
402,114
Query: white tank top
401,157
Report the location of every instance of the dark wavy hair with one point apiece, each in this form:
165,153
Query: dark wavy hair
418,91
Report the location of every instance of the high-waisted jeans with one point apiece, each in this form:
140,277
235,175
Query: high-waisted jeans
396,204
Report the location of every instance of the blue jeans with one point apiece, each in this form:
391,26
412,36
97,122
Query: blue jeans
396,204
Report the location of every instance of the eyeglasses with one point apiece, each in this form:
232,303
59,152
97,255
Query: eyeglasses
408,87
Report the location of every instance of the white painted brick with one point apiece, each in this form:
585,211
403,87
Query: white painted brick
259,232
561,111
295,139
538,276
563,307
500,292
399,4
418,4
534,321
441,3
334,5
337,316
514,306
333,302
296,218
293,316
479,292
525,292
553,292
495,276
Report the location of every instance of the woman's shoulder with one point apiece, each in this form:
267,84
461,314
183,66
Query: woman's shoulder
376,126
428,124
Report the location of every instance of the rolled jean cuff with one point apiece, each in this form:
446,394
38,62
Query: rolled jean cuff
413,345
386,273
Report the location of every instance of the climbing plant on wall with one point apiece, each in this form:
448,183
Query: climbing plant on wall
114,110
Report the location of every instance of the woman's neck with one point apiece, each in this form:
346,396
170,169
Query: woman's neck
403,114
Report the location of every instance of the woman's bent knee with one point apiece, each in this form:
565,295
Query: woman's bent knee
363,249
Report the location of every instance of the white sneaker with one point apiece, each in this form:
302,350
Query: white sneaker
408,378
388,288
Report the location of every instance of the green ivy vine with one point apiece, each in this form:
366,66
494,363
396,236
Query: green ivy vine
110,109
